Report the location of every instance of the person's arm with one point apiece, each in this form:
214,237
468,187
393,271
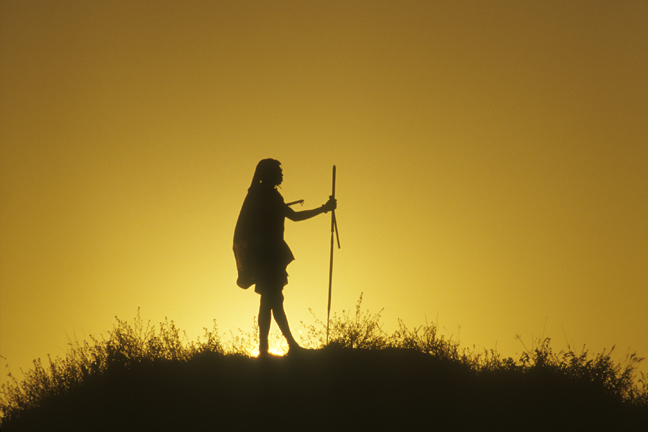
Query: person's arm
296,216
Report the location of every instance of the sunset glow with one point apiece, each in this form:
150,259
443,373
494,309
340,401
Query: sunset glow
492,165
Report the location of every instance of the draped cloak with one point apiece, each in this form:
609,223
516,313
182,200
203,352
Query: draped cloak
260,251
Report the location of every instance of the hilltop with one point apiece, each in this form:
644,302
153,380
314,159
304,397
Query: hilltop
138,379
330,389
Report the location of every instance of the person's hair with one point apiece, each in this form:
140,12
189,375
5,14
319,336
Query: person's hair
264,171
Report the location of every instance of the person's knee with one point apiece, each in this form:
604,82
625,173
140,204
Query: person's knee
272,301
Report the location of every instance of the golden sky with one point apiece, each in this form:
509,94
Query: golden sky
492,164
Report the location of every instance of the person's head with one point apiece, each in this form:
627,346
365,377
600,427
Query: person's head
268,172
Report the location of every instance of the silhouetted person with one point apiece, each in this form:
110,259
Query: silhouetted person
261,253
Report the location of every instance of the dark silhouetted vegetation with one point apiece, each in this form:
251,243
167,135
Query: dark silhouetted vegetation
145,378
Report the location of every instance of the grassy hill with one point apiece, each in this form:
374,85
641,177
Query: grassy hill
142,379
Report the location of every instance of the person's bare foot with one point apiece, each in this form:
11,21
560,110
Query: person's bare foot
264,355
295,349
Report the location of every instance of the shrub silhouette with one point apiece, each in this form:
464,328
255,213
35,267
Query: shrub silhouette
362,330
142,377
126,347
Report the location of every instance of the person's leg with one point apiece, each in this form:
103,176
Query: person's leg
265,318
282,321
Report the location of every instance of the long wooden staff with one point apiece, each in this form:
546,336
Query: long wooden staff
334,230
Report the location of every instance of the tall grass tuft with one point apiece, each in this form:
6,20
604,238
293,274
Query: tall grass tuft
361,330
126,346
600,371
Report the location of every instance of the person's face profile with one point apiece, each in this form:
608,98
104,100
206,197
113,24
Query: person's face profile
279,178
275,177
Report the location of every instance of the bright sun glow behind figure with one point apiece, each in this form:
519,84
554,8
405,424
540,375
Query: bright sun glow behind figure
492,166
275,350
